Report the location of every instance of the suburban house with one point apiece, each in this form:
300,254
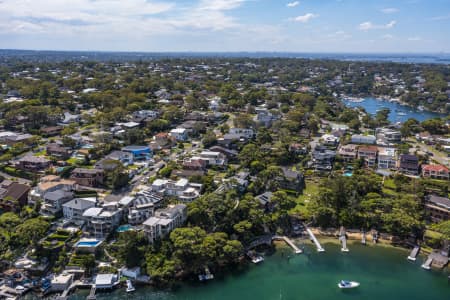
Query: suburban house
143,206
138,152
435,171
266,117
245,133
387,158
408,164
33,163
323,158
330,140
51,131
180,134
126,158
181,189
13,196
363,139
164,221
49,184
212,158
438,208
388,136
101,221
348,152
291,180
58,151
52,201
87,177
11,138
368,154
74,209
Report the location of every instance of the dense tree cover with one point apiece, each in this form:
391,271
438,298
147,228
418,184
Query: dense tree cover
189,250
19,232
358,201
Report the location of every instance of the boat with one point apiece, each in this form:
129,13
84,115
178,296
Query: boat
257,259
207,276
130,287
401,114
345,284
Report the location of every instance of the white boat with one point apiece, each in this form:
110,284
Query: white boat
345,284
130,287
257,259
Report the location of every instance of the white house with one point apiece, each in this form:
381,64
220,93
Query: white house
242,132
182,189
74,209
180,134
387,158
363,139
164,221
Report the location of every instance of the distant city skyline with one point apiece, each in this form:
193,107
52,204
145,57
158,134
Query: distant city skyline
325,26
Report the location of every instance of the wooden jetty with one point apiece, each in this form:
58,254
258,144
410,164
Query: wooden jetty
427,264
314,240
414,252
289,242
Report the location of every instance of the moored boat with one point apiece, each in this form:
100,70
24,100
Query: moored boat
130,287
345,284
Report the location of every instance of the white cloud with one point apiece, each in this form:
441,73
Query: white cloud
387,37
305,18
369,25
415,39
293,4
219,5
440,18
389,10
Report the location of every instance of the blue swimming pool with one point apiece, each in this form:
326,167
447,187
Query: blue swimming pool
124,228
88,243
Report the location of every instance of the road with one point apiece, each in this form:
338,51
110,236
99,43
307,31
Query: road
18,179
438,156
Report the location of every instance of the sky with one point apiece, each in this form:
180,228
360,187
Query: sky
325,26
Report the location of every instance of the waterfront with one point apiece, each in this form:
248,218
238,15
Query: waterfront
383,271
399,112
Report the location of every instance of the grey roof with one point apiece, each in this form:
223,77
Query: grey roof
81,203
440,201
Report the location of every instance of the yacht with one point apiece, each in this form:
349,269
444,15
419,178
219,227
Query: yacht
345,284
130,287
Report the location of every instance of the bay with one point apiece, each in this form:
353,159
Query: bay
383,271
399,112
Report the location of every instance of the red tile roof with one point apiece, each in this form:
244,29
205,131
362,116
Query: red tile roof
436,168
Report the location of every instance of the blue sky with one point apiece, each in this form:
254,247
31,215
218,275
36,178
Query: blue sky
227,25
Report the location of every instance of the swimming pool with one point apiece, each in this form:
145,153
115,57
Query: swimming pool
124,228
88,243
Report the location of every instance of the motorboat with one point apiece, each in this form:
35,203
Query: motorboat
257,259
345,284
130,287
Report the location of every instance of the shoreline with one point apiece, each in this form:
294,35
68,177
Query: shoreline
400,102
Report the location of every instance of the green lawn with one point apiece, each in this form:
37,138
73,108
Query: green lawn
311,190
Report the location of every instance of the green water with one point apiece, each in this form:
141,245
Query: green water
384,273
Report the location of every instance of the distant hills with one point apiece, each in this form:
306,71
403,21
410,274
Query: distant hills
46,55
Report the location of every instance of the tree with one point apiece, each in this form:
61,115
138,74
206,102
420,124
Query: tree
209,139
31,231
9,221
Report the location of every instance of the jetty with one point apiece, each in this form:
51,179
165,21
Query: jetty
314,240
289,242
427,264
414,252
343,239
91,295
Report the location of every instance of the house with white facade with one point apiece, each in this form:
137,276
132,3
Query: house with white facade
180,134
164,221
74,209
387,158
181,189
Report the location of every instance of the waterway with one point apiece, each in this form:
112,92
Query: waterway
383,271
399,112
